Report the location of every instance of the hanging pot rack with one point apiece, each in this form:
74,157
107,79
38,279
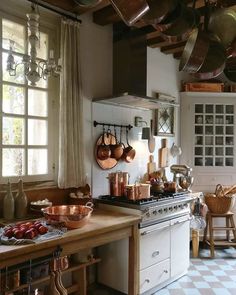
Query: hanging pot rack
95,124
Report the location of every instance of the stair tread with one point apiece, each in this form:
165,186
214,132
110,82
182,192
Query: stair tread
224,228
222,243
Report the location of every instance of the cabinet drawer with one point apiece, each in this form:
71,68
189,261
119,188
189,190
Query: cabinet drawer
154,244
154,275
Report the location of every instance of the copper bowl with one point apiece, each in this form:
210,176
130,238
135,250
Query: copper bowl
72,216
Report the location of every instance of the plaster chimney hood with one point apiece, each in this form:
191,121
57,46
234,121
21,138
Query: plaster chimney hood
130,74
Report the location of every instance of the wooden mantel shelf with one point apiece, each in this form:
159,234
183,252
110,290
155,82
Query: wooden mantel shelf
103,227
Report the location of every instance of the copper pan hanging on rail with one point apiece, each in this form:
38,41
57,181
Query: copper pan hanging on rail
215,60
183,26
130,11
159,10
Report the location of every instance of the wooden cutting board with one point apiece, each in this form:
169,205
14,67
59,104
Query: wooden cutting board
151,165
164,154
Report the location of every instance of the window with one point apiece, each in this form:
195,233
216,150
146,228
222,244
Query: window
26,112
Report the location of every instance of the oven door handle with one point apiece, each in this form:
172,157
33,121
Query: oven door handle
146,232
179,222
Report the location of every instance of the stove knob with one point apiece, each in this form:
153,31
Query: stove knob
166,209
160,211
170,208
154,212
185,205
147,214
175,207
181,206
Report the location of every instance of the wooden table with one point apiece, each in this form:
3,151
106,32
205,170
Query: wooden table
103,227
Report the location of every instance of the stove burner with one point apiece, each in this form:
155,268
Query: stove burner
158,197
127,201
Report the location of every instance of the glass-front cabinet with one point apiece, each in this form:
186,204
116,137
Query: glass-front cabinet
208,136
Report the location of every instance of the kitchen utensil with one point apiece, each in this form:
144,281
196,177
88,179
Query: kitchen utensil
222,22
109,162
151,165
52,289
151,140
103,149
164,154
214,62
138,191
117,148
130,11
73,216
158,10
129,152
170,18
117,182
183,26
196,47
175,150
58,283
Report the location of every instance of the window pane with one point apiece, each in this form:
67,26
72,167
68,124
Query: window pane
37,161
13,99
19,78
13,162
37,132
13,131
37,103
14,32
42,51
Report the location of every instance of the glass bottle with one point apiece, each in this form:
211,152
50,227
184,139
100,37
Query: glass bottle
8,203
21,201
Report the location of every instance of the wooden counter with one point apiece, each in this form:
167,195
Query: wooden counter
103,227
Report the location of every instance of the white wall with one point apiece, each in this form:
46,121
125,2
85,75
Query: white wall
162,77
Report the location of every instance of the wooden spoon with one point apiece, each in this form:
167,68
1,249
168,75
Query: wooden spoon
52,288
151,141
59,284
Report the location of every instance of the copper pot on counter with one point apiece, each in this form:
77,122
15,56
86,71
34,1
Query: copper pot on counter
117,183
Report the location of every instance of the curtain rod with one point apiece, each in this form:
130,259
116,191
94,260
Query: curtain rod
57,10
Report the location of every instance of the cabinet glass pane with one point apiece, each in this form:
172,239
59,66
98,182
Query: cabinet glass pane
229,140
198,151
214,135
229,151
219,151
209,140
209,119
209,108
219,120
198,129
219,109
219,140
199,140
209,162
219,161
219,130
229,162
198,162
209,151
229,120
209,130
198,108
229,130
198,119
229,109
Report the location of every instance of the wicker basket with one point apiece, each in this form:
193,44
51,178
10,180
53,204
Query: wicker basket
218,205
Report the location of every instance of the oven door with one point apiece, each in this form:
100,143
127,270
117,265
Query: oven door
154,244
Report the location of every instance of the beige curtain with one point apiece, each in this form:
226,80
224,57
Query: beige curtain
71,166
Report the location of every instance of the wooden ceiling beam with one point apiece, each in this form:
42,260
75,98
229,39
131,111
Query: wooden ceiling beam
173,48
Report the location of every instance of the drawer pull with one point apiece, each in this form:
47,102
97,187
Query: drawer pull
153,230
147,281
155,253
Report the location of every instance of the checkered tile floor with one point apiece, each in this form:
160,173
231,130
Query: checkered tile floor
205,277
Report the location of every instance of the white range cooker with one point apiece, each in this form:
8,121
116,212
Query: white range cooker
164,236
